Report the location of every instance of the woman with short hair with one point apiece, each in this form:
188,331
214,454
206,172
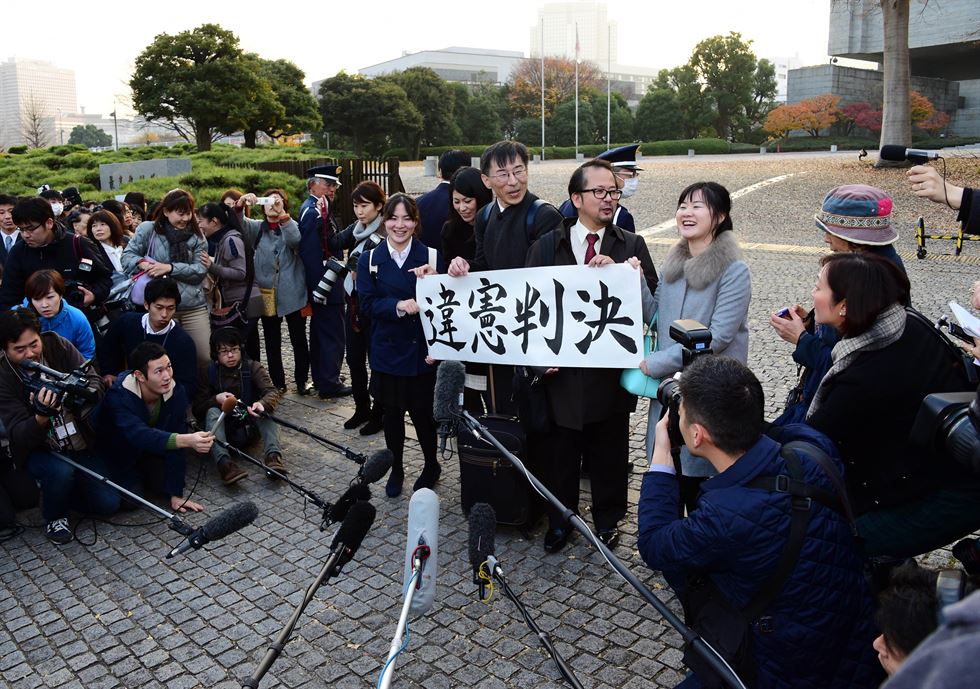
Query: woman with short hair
45,294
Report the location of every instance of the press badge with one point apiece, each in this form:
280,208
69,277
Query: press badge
85,265
65,431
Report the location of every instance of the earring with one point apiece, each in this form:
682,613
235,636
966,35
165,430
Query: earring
843,312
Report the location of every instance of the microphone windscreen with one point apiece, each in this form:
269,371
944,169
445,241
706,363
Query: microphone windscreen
228,406
450,379
423,530
354,528
892,152
232,519
377,465
483,527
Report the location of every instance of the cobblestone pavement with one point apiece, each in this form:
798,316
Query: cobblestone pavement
116,614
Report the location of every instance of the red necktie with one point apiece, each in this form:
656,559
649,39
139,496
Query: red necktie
590,251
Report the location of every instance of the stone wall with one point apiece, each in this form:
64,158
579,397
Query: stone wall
114,175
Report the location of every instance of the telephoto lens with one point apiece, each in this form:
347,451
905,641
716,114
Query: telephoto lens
334,271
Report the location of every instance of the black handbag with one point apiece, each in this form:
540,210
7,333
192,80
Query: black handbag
532,400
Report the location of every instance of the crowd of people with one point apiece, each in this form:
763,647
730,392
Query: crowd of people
126,327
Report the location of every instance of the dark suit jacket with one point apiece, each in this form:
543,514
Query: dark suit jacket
434,211
3,248
578,396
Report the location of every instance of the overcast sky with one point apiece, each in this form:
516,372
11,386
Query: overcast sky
100,40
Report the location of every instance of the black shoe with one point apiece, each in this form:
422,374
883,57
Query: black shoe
374,425
304,389
555,540
428,477
342,391
58,532
609,537
360,416
394,486
967,552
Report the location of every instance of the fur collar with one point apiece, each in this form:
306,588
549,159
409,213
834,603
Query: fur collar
701,271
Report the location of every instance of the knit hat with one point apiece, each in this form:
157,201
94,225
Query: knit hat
858,213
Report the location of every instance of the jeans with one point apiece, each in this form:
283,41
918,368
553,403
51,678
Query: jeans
268,431
63,486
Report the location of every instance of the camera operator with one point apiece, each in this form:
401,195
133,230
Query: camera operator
143,426
43,245
809,619
40,420
889,358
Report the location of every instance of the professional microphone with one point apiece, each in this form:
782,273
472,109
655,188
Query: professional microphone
227,407
421,548
900,154
355,526
376,466
483,527
232,519
448,398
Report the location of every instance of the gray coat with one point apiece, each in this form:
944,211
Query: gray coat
277,263
713,288
188,276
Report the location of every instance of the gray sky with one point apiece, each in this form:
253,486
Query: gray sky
102,39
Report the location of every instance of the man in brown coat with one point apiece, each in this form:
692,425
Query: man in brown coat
589,409
230,373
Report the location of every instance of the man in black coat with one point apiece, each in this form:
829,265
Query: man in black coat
42,246
434,205
9,234
589,409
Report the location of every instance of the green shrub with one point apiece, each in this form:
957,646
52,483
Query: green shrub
822,143
17,150
209,183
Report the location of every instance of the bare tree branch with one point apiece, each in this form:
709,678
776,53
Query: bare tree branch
32,115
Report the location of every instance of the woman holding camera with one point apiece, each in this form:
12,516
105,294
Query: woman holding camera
705,279
172,244
405,374
909,500
282,283
362,235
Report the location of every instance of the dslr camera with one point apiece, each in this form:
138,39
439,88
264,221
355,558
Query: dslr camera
72,388
695,338
335,270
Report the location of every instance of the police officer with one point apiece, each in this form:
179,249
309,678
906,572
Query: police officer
623,160
317,222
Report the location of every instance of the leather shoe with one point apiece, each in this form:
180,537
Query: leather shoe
304,389
393,488
360,416
230,472
342,391
609,537
555,540
274,461
373,426
428,477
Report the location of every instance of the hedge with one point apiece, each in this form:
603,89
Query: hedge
651,148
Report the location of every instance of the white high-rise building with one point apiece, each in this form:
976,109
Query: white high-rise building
27,84
783,65
597,36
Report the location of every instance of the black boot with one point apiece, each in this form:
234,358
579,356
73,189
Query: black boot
375,422
361,414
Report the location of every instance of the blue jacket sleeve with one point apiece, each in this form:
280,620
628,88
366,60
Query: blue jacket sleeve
812,352
372,299
82,336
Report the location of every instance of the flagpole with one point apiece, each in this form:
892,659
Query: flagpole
542,88
576,90
608,86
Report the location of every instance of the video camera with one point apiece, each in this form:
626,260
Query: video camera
948,424
695,338
335,270
72,388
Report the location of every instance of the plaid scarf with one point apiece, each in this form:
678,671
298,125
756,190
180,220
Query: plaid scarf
886,329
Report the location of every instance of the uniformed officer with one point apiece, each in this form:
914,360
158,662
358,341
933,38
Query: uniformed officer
317,221
623,160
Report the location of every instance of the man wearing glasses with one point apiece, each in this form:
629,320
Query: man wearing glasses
588,408
623,161
44,245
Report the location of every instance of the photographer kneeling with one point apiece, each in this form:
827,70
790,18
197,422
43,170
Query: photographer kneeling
43,415
800,601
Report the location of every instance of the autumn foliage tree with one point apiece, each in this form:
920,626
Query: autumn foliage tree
559,84
811,115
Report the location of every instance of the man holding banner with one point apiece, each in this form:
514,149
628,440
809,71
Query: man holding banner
588,407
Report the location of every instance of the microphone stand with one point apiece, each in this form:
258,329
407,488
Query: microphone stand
173,521
276,649
691,637
545,638
347,452
396,643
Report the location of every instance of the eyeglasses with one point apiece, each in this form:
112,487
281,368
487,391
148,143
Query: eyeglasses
601,193
224,352
31,229
519,173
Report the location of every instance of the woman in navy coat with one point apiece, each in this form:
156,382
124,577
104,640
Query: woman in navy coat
398,352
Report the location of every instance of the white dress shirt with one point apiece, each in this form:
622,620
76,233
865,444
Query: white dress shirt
577,238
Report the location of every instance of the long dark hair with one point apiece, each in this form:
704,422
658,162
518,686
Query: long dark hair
220,212
469,182
175,200
115,227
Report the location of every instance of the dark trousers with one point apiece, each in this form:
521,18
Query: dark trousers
272,331
357,357
419,407
18,491
327,346
64,487
605,446
251,334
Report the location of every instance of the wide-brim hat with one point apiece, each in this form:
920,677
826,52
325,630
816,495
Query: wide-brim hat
331,173
858,213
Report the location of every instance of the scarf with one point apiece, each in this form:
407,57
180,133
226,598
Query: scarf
705,268
177,243
886,329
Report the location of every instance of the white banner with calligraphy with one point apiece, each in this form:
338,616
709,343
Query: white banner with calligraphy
555,316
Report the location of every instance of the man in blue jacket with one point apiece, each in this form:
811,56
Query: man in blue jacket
317,222
816,628
143,427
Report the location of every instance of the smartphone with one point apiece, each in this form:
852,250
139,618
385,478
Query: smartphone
265,200
784,313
